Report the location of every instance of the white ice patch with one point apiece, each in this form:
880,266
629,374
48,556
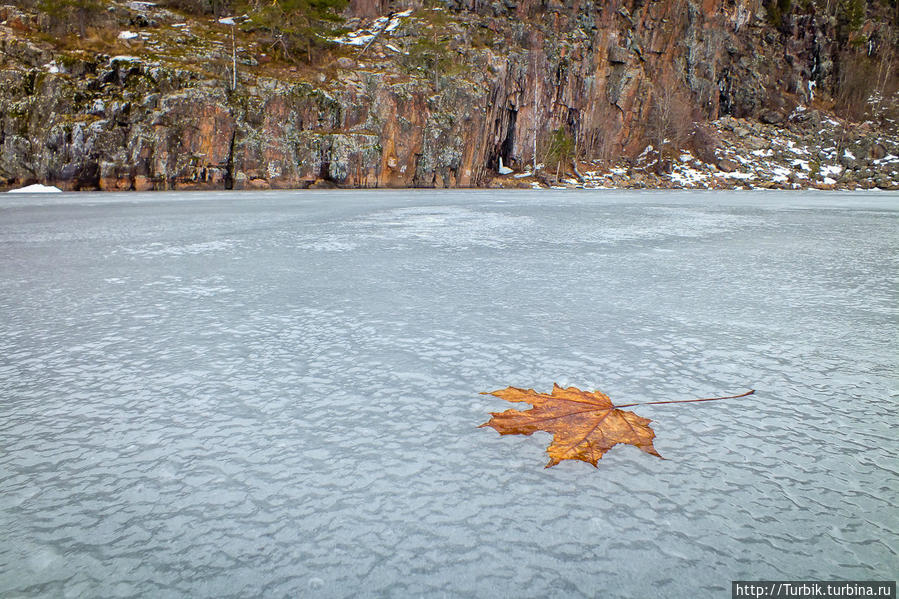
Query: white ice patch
780,174
795,149
191,249
363,36
689,177
645,152
354,38
127,35
395,20
36,188
445,226
200,291
327,244
738,175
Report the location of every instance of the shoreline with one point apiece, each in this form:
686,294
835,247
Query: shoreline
20,192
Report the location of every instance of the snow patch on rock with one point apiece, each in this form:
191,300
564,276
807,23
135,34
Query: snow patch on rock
364,35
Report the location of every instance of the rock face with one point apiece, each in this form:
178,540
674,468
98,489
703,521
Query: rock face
593,69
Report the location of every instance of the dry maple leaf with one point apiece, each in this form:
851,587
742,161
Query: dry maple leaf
584,424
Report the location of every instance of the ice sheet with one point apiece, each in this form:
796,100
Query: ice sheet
233,395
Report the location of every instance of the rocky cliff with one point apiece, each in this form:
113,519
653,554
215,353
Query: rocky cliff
420,96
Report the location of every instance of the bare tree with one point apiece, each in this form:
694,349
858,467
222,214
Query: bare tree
856,82
885,73
670,117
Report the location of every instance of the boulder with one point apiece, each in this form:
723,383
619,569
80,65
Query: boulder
727,165
771,117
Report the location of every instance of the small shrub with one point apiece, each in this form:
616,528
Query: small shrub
74,16
776,10
430,58
705,144
559,150
856,81
295,26
199,7
814,172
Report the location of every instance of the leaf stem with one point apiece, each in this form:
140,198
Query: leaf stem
655,403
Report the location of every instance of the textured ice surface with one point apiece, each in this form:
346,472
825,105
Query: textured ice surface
236,395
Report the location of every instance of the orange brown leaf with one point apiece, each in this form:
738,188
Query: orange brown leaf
584,424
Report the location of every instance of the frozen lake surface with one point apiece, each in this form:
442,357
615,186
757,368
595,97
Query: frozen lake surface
240,395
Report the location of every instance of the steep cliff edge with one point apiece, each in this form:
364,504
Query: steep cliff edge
427,96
